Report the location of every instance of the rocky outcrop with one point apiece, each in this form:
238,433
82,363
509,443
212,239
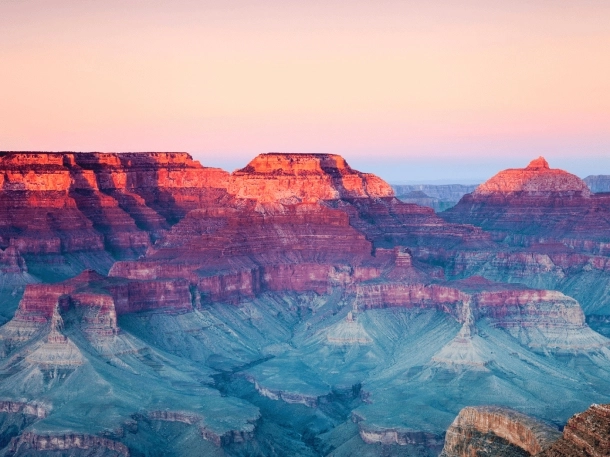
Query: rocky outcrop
112,297
540,319
31,409
538,205
535,179
586,434
289,397
292,178
58,203
11,262
388,222
168,183
227,438
69,443
231,254
207,433
493,431
175,416
400,437
500,302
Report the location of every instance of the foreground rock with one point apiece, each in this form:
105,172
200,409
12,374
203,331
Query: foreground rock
492,431
585,434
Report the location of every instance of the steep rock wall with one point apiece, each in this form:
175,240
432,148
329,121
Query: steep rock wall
518,430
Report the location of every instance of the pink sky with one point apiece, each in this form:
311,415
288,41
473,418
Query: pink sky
411,90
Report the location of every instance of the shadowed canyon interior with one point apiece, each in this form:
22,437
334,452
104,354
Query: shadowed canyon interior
153,306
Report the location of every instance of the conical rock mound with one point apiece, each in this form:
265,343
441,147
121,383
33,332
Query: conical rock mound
536,178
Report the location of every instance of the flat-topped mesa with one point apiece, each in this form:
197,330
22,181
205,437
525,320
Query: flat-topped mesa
537,178
286,177
137,170
297,164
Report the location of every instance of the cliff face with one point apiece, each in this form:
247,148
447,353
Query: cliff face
234,253
291,178
58,203
585,434
492,431
73,444
538,204
103,298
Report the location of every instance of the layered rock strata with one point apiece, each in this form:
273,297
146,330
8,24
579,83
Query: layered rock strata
57,203
493,431
232,254
535,205
476,430
309,178
586,434
69,444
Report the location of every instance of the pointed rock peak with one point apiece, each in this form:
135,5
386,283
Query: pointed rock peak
87,276
57,323
537,178
540,162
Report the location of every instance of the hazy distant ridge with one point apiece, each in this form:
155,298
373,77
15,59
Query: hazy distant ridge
598,183
439,197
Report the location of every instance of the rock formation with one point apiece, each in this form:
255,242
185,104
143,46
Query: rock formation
60,203
537,204
292,307
492,431
72,444
309,178
585,434
535,179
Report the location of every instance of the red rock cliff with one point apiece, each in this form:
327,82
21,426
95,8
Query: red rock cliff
56,203
284,177
538,204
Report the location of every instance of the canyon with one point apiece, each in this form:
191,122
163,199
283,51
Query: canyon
436,196
153,306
